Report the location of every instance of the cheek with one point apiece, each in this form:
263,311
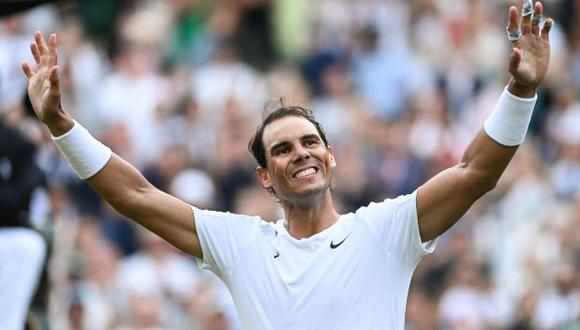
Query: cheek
277,170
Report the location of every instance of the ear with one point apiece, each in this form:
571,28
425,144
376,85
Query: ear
331,157
264,177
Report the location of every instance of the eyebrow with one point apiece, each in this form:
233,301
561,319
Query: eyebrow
278,145
302,138
310,136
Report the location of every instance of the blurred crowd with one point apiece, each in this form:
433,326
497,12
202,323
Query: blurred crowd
178,87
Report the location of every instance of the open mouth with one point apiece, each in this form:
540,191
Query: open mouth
305,172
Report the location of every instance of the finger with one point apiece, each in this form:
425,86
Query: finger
52,50
513,27
537,18
35,53
546,29
27,70
41,44
527,11
512,19
515,59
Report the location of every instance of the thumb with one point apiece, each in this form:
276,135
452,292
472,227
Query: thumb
515,59
27,70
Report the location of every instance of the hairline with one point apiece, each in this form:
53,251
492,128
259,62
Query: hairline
256,144
267,150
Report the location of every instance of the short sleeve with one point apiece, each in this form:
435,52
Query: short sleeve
222,236
396,224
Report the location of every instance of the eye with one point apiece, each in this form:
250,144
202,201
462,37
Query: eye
282,151
310,143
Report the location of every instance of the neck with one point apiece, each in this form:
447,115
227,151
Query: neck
305,220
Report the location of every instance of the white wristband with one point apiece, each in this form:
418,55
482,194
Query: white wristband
84,153
509,121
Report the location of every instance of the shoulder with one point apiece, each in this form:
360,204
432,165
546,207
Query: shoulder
230,222
210,214
390,205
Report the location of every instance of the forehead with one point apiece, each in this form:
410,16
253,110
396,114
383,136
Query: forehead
287,129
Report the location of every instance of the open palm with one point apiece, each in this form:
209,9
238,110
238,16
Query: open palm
43,83
531,54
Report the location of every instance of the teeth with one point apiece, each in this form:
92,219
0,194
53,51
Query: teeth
305,172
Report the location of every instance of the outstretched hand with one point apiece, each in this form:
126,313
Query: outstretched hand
530,54
43,85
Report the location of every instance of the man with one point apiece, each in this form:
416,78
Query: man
22,250
315,269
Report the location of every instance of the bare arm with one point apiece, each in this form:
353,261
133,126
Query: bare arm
446,197
119,183
122,186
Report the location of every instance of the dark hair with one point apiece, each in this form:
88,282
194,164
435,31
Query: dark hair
256,145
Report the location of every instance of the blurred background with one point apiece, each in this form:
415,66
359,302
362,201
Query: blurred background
177,88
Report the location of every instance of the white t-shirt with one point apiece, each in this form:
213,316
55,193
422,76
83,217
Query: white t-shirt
353,275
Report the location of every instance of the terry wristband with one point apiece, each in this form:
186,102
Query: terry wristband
85,154
509,121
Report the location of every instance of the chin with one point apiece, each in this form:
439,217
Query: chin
311,190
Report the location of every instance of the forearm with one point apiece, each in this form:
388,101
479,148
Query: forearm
492,149
483,163
447,196
118,182
122,186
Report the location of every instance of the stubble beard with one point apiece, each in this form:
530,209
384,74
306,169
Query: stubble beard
310,197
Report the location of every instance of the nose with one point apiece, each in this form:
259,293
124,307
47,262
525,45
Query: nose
300,153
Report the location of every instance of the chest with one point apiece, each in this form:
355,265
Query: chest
346,269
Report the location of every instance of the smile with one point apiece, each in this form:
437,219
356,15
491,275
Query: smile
305,172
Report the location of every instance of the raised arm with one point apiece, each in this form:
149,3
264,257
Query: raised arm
446,197
119,183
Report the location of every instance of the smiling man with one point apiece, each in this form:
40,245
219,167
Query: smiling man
316,268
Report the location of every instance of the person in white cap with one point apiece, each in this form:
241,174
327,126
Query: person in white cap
316,268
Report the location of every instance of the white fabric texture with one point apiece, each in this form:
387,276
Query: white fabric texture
84,153
353,275
22,253
509,121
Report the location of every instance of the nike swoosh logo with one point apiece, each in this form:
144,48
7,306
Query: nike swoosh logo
334,246
277,255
